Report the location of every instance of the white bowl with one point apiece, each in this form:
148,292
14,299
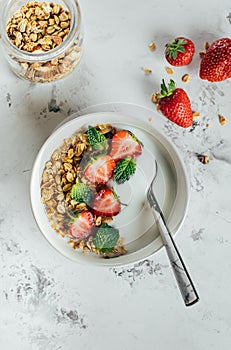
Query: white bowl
135,222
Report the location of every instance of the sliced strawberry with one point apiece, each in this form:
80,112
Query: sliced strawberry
82,226
100,170
106,203
124,144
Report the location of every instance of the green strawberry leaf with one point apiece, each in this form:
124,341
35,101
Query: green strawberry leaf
167,91
106,238
181,42
96,139
81,193
175,46
125,168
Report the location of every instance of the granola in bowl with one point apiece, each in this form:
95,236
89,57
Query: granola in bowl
93,201
77,187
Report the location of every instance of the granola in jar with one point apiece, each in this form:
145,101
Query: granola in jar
42,40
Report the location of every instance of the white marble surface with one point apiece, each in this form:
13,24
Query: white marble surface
50,303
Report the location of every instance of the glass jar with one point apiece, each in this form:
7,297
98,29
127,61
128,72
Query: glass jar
42,66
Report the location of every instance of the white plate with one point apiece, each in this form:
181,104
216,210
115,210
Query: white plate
135,222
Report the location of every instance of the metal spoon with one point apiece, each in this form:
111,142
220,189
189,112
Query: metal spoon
183,278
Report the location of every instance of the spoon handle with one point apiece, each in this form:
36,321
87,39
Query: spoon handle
183,278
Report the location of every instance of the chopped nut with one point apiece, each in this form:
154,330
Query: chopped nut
86,249
147,70
185,78
81,206
222,120
64,25
155,97
80,148
169,70
18,14
67,166
39,12
46,8
82,244
51,21
57,9
196,115
207,125
40,25
70,177
201,54
22,25
57,39
18,39
33,37
70,153
206,45
105,128
98,221
63,17
203,158
152,46
67,187
50,30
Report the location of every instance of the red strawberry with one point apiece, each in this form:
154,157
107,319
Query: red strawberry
82,226
106,203
124,144
179,52
100,169
175,104
216,63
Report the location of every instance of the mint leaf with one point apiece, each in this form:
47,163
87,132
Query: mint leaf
106,238
96,139
81,193
125,168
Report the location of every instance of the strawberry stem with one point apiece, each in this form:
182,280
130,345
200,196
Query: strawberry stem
174,47
167,91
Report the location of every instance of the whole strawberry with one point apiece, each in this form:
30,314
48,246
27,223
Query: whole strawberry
179,52
216,63
175,105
